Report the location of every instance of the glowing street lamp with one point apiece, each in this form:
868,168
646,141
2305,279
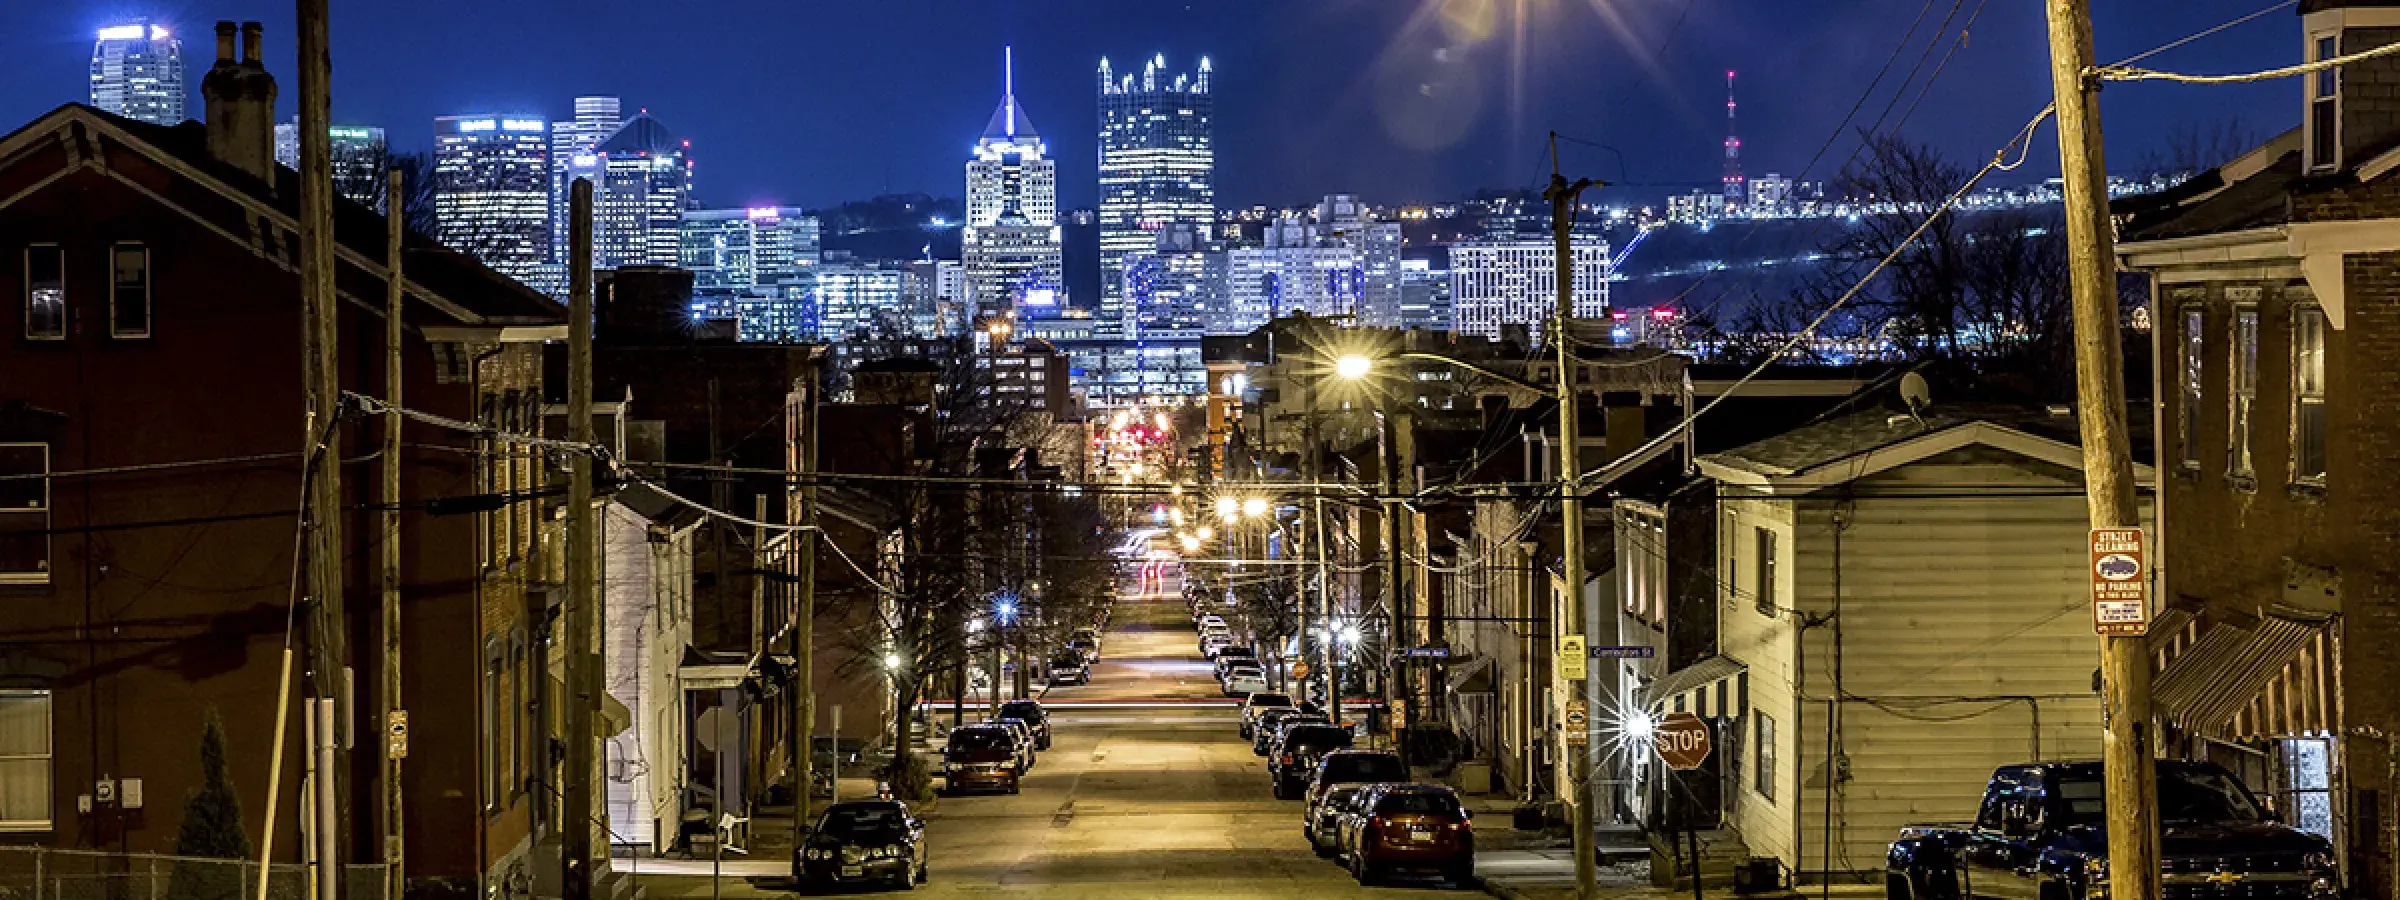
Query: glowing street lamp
1228,508
1207,534
892,661
1254,507
1190,544
1175,514
1353,367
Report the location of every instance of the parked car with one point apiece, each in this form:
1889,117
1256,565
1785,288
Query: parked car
2039,834
1272,721
1210,620
1033,715
1297,752
1214,641
1240,665
1410,827
1322,823
1068,666
862,841
982,756
1243,681
1025,748
1088,647
1346,767
1227,657
1257,703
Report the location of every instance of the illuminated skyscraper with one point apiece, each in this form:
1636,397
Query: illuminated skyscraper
137,72
492,192
571,157
1497,283
1158,162
638,205
1010,246
358,159
758,263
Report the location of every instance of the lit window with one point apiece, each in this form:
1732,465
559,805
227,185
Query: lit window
25,748
129,291
2308,395
2245,390
45,292
24,514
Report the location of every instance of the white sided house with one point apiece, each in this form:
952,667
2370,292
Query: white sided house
1902,606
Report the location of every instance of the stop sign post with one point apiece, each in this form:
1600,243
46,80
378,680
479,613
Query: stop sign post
1682,740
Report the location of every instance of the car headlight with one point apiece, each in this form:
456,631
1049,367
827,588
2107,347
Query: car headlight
2320,861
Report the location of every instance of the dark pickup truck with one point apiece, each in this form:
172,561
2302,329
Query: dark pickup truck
2040,835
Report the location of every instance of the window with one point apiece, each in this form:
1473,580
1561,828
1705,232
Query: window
45,292
2305,792
495,705
2245,390
25,761
24,514
520,711
1764,589
2324,109
2308,395
2187,425
129,291
1762,779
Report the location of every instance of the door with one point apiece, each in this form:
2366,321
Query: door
2003,850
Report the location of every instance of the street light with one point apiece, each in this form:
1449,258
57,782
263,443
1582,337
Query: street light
892,661
1254,507
1190,544
1228,508
1207,534
1353,367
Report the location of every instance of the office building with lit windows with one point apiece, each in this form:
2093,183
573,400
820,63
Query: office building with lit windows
1178,286
736,249
639,202
858,300
571,157
491,195
137,72
1010,247
1499,283
1158,163
359,153
1424,296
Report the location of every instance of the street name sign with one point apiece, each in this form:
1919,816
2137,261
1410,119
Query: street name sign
1632,652
2120,583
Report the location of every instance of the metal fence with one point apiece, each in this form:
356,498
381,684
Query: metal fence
39,873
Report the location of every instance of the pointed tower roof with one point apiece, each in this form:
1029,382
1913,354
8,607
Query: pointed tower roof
1009,121
641,134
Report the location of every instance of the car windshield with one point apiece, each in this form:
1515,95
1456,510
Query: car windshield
1422,803
2183,796
1365,767
979,739
1263,699
1315,737
1237,652
1022,709
848,818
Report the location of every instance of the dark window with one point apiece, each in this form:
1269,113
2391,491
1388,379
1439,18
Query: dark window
1763,781
24,514
2187,425
129,291
2308,395
45,293
2245,390
1764,590
2324,111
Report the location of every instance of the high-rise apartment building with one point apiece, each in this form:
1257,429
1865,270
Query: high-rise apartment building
1342,262
492,192
644,189
1424,296
1499,283
137,72
1158,162
1010,246
571,157
1178,286
1343,221
358,159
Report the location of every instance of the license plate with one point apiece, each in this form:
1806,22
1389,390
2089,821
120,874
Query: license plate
1420,836
853,871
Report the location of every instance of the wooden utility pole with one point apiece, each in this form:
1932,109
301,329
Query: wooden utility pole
1399,681
804,627
321,389
1563,198
2129,772
582,698
389,503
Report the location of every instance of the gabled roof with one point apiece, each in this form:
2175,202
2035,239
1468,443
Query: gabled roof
641,134
1849,448
2252,191
455,287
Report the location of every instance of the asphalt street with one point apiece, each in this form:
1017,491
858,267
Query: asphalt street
1149,792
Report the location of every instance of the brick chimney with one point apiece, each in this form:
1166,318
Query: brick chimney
240,99
2352,112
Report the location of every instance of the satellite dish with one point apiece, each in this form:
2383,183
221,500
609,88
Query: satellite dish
1916,393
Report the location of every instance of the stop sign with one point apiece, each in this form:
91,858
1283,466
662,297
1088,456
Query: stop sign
1682,740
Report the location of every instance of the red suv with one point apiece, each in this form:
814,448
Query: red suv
981,756
1410,827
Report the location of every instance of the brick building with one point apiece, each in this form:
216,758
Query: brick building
2276,303
150,418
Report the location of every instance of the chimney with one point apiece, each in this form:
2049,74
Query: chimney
1625,422
240,98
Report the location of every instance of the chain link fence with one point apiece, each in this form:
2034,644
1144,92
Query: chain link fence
39,873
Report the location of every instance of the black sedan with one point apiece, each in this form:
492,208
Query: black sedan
863,841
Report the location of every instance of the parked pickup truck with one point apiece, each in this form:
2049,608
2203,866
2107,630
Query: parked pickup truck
2040,835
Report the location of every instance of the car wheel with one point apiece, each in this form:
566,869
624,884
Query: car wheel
1896,887
1462,873
1363,870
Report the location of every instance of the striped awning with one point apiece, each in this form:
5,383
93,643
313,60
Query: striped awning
2278,678
1702,688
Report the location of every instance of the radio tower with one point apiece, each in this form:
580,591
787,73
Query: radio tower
1736,190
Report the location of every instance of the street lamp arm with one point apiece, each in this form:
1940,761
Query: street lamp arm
1479,370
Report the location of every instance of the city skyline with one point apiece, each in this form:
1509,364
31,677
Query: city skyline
1286,135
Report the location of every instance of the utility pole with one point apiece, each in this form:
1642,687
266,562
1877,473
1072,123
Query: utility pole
2129,774
321,388
1563,198
804,627
1328,650
576,828
393,711
1399,688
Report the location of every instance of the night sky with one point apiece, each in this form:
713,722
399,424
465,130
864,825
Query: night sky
812,102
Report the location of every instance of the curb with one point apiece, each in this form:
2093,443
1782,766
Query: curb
1502,890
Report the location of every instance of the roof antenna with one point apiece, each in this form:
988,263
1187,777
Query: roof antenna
1008,86
1917,394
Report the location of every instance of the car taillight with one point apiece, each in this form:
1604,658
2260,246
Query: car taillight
1287,759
